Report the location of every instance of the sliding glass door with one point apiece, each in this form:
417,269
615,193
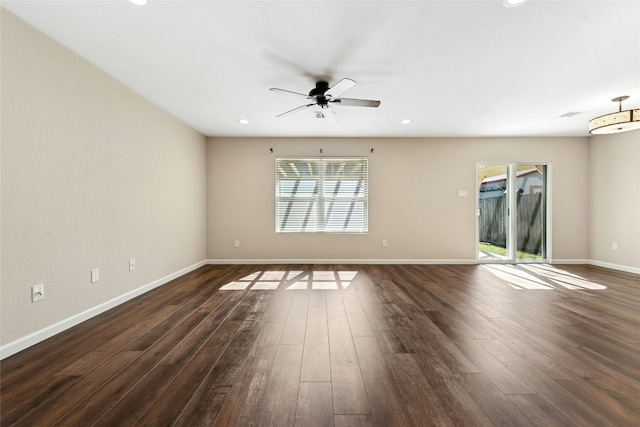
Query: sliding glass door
531,218
494,241
512,212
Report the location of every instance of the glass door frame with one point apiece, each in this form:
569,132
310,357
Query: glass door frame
512,207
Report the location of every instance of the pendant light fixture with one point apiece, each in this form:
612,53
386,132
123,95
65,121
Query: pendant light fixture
620,121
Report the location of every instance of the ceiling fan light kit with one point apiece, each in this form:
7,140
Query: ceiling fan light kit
323,96
620,121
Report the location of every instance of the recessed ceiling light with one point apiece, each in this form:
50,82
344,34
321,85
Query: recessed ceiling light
406,121
139,2
243,121
514,3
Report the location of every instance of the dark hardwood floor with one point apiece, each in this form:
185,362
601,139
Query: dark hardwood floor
346,345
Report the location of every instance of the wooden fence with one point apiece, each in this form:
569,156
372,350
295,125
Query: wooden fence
530,222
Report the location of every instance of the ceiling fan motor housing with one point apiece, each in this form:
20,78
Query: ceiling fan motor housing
320,89
318,92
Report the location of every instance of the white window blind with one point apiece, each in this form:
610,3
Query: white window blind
321,194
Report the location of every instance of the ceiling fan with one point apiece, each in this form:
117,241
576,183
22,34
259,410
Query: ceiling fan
323,96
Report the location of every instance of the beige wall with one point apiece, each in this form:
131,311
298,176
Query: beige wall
92,175
413,203
614,205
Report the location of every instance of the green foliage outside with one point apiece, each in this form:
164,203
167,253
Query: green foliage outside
497,250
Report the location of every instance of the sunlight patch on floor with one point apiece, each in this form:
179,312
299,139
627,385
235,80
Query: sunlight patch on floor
540,276
292,280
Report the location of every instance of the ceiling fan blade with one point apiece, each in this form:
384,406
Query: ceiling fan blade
275,89
302,107
350,102
340,87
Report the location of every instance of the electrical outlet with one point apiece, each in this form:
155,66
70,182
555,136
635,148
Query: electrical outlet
614,246
37,292
384,243
132,264
236,244
95,275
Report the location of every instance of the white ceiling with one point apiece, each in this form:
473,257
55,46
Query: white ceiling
456,68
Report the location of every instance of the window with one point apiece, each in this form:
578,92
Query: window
321,194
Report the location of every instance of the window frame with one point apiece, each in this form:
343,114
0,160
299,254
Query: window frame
352,207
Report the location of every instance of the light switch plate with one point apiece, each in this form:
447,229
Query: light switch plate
37,292
95,275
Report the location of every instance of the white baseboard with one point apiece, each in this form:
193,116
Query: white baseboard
624,268
602,264
340,261
41,335
569,261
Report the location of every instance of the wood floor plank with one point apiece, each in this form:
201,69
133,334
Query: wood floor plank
420,334
120,343
410,381
361,345
315,405
538,353
140,398
316,362
335,306
349,394
358,321
280,307
278,406
613,410
250,387
194,339
341,349
451,396
207,401
168,406
49,383
233,333
496,405
379,320
500,375
379,384
539,411
353,421
53,409
615,383
571,406
296,323
318,298
26,403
